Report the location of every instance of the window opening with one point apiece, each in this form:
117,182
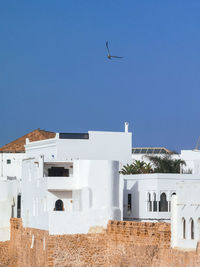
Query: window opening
59,205
192,228
19,206
163,203
129,202
58,172
183,228
154,202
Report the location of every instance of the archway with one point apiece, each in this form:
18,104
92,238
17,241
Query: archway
59,205
163,204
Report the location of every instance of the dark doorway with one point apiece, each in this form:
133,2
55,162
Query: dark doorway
58,172
19,206
59,205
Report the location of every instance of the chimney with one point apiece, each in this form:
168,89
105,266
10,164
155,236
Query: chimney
126,127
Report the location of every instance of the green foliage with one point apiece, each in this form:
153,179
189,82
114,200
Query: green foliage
166,164
158,165
136,167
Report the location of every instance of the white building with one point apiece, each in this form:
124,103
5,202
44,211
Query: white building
185,222
70,197
11,156
192,160
92,145
147,197
70,183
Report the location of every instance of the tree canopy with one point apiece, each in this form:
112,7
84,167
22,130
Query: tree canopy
157,164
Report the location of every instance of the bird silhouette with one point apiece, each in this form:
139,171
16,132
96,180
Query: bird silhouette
109,55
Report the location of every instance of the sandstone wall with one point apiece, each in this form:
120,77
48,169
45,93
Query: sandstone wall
123,244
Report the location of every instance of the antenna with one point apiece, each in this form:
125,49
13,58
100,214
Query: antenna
198,144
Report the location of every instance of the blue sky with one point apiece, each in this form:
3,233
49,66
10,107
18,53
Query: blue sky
54,73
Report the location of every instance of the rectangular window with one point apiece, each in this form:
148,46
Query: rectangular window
58,172
129,202
8,161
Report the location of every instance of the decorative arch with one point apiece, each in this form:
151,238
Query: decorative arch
183,228
163,203
59,205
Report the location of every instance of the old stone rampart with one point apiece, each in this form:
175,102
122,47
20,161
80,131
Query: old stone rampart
123,244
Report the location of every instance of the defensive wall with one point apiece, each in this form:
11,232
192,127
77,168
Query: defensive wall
122,244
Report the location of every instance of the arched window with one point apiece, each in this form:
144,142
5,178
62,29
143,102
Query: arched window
59,205
149,202
163,204
191,228
183,228
154,202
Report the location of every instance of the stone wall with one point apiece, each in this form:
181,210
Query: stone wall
4,253
123,244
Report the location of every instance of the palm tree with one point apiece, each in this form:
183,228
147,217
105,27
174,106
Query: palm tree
127,169
136,167
166,164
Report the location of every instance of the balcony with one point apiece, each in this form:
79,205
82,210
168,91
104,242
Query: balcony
60,183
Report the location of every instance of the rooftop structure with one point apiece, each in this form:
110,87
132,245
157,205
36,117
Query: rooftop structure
151,150
17,146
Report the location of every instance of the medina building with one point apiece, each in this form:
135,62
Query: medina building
147,197
185,221
11,156
70,183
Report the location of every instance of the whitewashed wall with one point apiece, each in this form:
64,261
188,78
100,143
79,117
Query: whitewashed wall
8,197
100,145
141,184
192,159
186,205
90,195
12,169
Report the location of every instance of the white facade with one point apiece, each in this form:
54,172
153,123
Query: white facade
147,197
88,187
185,222
9,192
93,145
10,175
11,165
192,160
90,195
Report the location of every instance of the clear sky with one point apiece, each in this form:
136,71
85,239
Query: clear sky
54,73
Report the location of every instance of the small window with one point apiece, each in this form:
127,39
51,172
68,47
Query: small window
8,161
154,202
59,205
192,228
183,228
129,202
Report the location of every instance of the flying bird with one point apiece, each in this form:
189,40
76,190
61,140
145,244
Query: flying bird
109,55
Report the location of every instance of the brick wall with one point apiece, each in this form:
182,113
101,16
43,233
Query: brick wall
123,244
4,253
